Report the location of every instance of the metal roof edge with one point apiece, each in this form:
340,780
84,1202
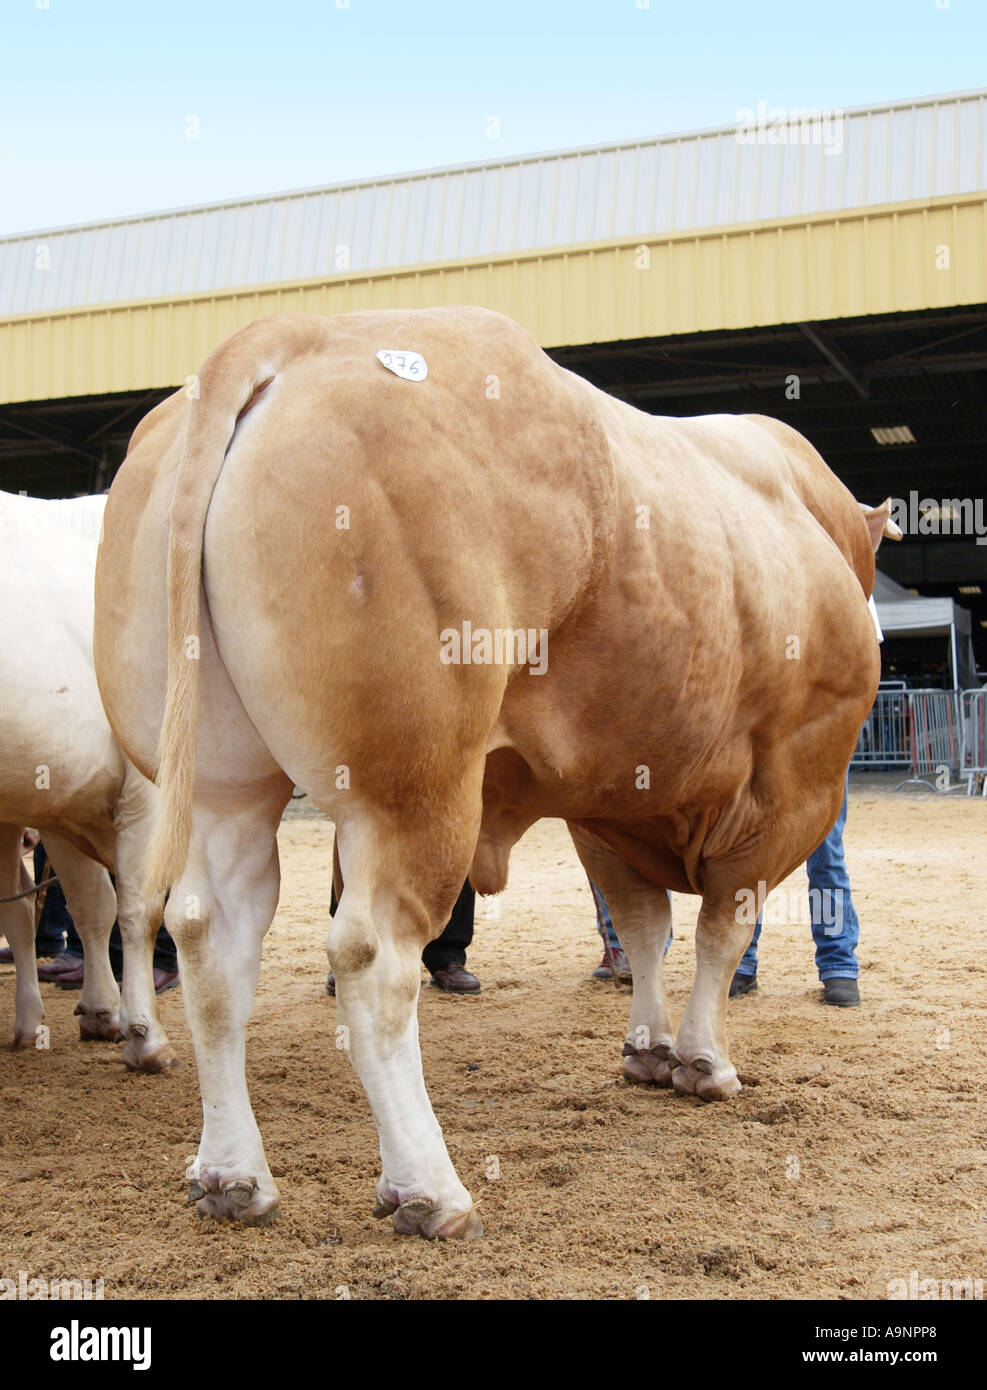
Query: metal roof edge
411,175
793,221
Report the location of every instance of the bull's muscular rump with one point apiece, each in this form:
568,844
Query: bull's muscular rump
321,522
705,698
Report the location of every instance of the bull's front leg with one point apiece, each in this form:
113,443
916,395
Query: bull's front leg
642,918
704,1067
377,964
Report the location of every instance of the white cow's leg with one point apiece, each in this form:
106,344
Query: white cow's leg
642,918
377,964
218,913
722,936
92,904
146,1046
399,886
17,925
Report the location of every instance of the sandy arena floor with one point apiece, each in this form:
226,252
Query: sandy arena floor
854,1155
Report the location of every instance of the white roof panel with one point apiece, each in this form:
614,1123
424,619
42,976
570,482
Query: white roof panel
897,152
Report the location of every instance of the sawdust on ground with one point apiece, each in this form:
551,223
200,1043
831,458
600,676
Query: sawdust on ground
854,1155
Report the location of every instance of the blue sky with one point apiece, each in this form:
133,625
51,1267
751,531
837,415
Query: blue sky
96,95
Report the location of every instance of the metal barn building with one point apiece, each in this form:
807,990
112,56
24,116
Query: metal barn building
688,273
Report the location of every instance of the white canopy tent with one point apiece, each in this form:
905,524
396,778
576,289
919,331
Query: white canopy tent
902,614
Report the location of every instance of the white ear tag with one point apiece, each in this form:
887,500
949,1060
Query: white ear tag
411,366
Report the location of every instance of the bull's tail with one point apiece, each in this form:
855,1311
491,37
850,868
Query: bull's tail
232,378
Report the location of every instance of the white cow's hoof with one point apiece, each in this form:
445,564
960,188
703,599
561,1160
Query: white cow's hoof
234,1199
422,1218
141,1053
98,1027
651,1066
23,1041
703,1080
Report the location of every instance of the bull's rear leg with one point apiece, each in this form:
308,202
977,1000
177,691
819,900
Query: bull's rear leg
146,1046
17,925
92,903
642,918
218,913
722,937
396,897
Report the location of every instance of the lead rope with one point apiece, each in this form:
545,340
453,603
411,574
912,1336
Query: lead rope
41,887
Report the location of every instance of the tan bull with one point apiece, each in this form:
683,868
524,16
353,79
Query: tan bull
295,556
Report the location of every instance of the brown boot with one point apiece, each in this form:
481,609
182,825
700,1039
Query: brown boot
455,979
71,979
58,966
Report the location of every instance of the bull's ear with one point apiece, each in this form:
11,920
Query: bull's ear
879,522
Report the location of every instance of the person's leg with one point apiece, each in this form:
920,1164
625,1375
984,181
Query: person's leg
50,936
604,922
835,928
165,952
68,961
445,958
450,948
748,961
116,952
614,956
73,941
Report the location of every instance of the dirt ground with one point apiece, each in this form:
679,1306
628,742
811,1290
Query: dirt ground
854,1155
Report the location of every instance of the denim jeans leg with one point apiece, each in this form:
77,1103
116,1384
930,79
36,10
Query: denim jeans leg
835,928
604,922
748,961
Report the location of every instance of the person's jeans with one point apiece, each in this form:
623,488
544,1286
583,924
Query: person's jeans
604,922
54,920
835,928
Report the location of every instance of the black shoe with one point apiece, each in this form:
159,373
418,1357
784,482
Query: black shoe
742,984
841,991
452,978
455,979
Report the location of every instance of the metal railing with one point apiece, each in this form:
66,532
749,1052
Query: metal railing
929,732
885,739
935,731
973,728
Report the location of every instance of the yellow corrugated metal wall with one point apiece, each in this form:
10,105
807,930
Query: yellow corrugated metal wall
904,256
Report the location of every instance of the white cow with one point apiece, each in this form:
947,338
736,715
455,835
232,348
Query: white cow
62,771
